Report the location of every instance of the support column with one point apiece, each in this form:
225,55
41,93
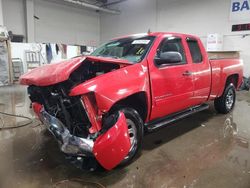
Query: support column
1,13
30,25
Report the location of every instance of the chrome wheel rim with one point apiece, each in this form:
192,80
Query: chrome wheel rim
132,133
230,99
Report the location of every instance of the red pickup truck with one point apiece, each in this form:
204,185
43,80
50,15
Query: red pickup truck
99,106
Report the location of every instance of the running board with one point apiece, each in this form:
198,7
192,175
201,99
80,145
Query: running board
158,123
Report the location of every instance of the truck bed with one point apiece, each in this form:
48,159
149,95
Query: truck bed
220,69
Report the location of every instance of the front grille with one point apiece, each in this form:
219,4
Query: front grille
68,110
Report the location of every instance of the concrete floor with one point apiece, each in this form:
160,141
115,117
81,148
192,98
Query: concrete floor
205,150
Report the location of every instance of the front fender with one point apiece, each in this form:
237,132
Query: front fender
114,86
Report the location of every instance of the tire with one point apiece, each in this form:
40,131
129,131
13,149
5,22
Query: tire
226,102
135,128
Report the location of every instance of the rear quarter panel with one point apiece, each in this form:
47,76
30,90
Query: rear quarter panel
221,69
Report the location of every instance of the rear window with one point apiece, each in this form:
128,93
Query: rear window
195,50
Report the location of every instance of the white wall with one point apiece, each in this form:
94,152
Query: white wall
14,16
60,23
64,24
136,17
18,51
199,17
1,13
57,23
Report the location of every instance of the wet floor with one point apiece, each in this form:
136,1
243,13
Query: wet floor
202,151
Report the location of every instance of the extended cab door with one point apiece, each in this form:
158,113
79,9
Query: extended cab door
171,83
201,71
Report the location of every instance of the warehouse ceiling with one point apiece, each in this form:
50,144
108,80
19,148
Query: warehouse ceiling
96,2
103,3
97,5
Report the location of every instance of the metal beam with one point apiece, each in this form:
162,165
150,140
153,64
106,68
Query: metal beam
113,3
30,25
94,7
1,13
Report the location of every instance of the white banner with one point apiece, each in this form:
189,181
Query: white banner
214,42
240,10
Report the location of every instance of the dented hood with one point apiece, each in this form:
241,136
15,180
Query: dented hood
59,72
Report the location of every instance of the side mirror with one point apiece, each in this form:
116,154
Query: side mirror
168,58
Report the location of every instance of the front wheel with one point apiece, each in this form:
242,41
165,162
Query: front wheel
225,103
135,131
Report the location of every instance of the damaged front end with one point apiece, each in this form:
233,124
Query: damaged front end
80,128
108,146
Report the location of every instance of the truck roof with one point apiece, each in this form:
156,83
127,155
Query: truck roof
157,34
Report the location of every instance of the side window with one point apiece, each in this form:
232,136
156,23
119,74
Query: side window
172,45
194,50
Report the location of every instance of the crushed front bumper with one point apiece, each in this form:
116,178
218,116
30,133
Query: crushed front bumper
109,148
69,143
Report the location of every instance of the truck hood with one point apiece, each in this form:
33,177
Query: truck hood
59,72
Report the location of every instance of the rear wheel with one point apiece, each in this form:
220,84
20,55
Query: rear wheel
135,130
225,103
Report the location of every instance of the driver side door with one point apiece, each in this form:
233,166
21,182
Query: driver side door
171,83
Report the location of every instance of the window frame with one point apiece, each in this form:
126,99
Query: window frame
190,39
171,64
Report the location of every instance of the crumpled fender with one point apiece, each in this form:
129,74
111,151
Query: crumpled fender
58,72
37,108
114,86
114,145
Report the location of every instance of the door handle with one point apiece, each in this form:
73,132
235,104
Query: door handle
187,73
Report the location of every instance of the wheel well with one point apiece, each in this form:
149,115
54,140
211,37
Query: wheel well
137,101
232,79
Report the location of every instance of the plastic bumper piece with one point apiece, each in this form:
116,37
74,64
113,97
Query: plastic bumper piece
109,148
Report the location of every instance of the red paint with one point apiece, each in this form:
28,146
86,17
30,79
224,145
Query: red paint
220,71
92,114
113,146
168,85
166,89
52,73
37,108
119,85
59,72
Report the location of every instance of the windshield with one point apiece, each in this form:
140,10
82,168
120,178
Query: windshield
132,49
